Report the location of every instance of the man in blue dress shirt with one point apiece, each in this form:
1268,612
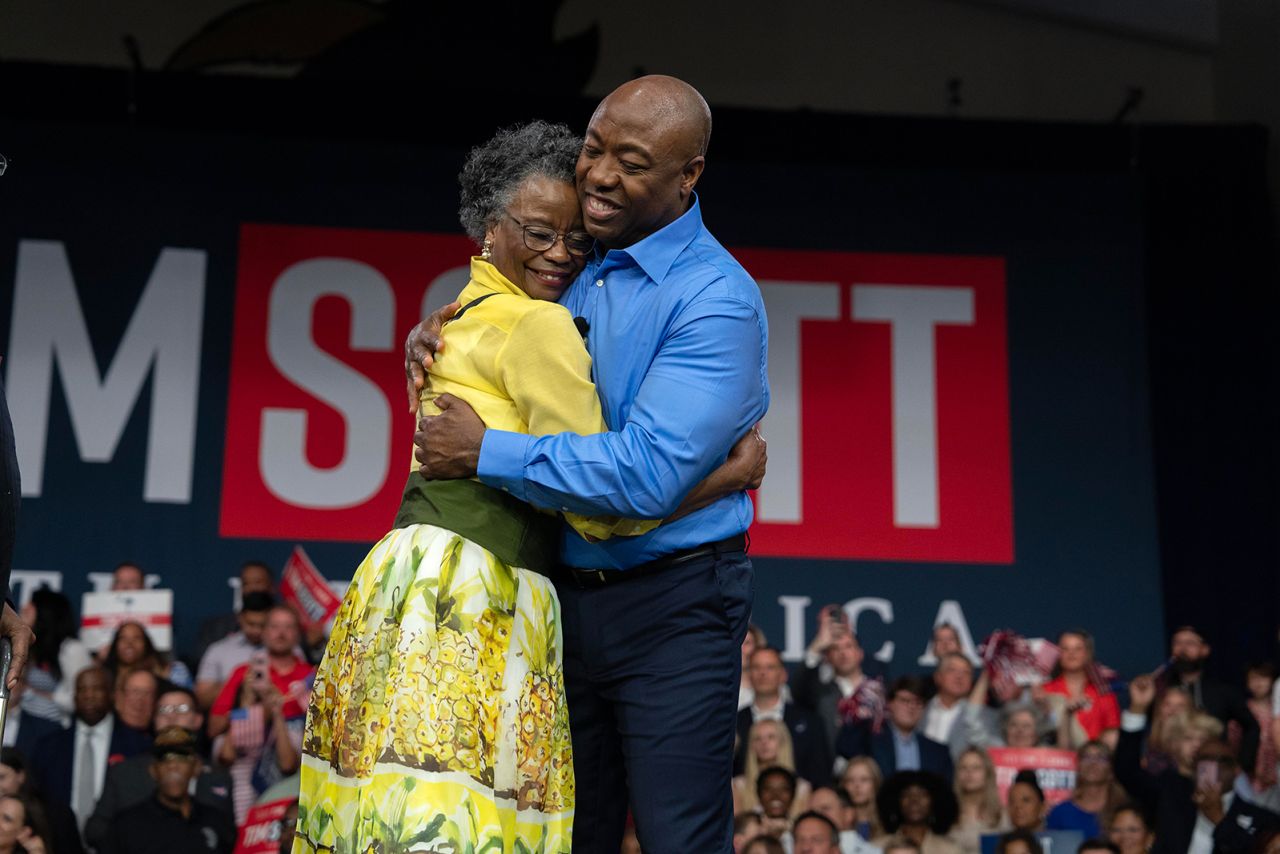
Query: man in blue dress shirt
653,624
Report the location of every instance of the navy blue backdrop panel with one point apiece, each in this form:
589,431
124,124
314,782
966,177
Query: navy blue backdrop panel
961,419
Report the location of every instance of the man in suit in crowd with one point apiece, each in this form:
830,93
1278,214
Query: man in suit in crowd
832,669
950,718
11,625
1189,654
71,765
130,783
808,740
900,745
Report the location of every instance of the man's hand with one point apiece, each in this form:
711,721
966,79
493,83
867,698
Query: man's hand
12,627
1142,692
420,347
748,459
829,630
448,445
1208,797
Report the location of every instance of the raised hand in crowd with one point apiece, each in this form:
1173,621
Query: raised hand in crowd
832,625
1142,693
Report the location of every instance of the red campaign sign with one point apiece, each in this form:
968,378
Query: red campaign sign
260,833
303,587
1055,770
888,431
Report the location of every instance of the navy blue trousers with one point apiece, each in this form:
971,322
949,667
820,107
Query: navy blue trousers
652,668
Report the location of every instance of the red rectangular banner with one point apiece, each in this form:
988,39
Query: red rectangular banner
1055,770
888,430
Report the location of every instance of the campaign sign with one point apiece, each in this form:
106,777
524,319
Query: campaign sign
260,833
102,614
1055,770
303,587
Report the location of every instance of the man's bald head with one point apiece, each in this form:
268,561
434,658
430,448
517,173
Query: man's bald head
645,149
671,105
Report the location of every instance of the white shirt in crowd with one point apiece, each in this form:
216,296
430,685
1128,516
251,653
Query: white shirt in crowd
1202,836
100,736
939,721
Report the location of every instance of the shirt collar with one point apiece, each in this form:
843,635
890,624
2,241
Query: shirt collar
101,727
656,253
489,280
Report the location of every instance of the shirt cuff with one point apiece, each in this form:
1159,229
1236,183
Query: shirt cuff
1132,721
502,457
812,659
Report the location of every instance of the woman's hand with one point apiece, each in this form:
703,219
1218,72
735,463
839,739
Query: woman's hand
420,348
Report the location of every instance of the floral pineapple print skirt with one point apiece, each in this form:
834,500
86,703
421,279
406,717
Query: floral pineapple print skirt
438,719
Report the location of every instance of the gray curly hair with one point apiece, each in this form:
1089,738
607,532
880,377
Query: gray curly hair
493,171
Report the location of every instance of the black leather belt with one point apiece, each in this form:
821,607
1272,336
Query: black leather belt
589,579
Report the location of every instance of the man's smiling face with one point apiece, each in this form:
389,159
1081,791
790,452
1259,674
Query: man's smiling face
638,166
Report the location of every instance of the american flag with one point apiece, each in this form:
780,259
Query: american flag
248,727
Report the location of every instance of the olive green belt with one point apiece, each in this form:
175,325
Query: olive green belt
511,530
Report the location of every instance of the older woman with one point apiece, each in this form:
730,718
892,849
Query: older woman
438,714
1095,797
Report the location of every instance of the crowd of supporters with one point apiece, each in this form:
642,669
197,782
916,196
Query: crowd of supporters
834,756
128,749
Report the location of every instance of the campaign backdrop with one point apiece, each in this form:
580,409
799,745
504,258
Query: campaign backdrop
202,341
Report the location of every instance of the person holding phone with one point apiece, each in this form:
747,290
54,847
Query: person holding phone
831,671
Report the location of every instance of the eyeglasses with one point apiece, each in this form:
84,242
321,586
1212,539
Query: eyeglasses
179,709
539,238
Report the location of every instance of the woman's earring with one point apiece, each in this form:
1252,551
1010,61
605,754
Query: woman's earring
487,251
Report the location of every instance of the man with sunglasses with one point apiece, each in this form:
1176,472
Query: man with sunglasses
130,783
653,624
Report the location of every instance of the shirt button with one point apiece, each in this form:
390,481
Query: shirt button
599,283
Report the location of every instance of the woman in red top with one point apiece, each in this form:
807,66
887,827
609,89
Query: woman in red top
1094,709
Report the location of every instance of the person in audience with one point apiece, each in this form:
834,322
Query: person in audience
751,641
814,833
899,844
945,641
1260,681
831,671
22,827
1019,842
73,763
255,577
768,746
1194,804
171,819
1098,845
777,793
1025,803
1092,708
861,782
268,694
135,699
979,799
920,806
834,803
900,746
764,844
57,655
130,783
1131,830
234,650
128,576
1189,652
746,826
951,718
1095,797
22,729
768,676
131,648
59,821
1157,755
